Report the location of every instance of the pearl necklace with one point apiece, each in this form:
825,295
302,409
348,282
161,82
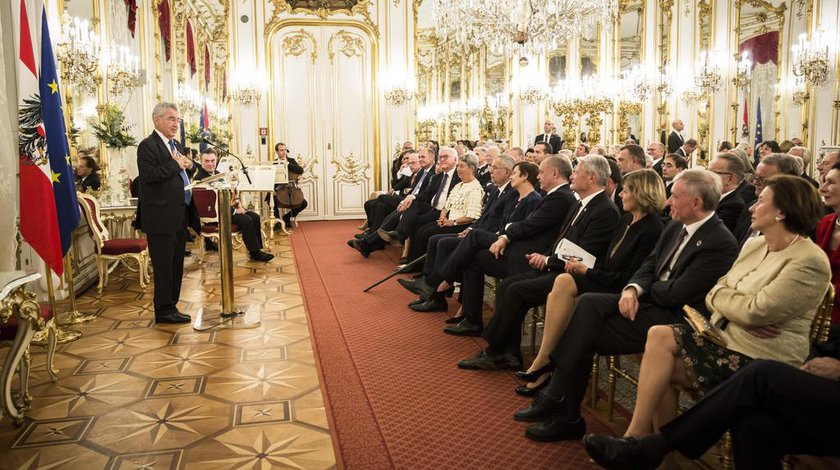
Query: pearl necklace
795,239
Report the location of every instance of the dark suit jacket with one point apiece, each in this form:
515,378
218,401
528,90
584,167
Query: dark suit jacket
707,256
201,173
617,199
294,167
747,192
482,174
536,232
657,167
614,271
161,188
681,152
91,182
554,139
591,231
399,185
729,209
744,225
424,183
810,180
520,210
494,208
674,142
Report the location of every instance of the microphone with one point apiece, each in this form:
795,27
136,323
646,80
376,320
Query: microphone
205,137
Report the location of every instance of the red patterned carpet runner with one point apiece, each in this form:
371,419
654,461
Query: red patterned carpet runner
394,397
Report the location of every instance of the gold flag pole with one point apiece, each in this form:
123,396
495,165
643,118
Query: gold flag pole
73,316
62,334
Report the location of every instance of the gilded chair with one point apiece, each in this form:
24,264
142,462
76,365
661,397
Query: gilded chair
113,251
21,317
207,205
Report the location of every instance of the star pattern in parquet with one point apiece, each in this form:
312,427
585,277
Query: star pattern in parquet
132,395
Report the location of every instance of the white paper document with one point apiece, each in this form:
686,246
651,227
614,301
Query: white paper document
569,251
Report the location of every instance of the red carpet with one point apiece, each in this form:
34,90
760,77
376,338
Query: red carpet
394,396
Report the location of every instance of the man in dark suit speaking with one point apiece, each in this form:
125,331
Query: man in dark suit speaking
164,201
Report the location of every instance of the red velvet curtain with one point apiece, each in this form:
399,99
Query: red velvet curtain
132,15
763,48
190,49
163,22
206,67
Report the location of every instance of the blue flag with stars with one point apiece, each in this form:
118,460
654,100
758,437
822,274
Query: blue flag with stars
759,138
58,148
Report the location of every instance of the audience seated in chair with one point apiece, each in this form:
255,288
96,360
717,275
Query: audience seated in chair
828,238
508,204
589,225
694,250
637,233
765,306
731,171
504,252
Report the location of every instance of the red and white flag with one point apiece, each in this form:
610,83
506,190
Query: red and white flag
38,216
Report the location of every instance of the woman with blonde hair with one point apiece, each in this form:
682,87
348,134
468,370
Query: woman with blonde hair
643,197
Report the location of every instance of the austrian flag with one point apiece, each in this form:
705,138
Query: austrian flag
49,211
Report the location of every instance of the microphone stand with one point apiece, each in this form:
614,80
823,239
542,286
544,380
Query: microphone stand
228,152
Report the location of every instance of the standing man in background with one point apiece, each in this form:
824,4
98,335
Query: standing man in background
164,200
550,138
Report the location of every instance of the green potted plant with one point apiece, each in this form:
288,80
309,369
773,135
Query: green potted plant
111,128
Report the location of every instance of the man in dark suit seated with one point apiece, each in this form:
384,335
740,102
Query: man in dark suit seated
772,165
771,409
805,156
695,249
498,205
550,137
631,157
379,207
430,191
731,171
87,174
503,253
247,221
687,148
657,152
614,187
164,201
590,225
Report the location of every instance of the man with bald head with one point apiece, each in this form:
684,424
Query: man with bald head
803,154
675,139
549,137
826,163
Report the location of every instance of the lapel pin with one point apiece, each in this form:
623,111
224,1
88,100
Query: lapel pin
699,242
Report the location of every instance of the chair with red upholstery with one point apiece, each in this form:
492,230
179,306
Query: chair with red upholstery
207,205
113,252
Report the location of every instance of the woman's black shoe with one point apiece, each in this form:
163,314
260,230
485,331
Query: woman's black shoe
526,391
533,376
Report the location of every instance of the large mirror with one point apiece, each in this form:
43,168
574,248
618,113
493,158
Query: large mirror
663,52
759,34
704,35
630,30
589,51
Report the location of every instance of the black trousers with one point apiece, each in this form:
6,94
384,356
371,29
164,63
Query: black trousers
372,240
377,209
598,327
420,239
472,283
464,252
438,250
249,225
166,251
287,217
417,215
515,295
772,409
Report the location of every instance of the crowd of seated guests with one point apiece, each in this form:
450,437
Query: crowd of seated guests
748,242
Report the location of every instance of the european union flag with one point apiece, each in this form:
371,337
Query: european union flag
58,149
758,137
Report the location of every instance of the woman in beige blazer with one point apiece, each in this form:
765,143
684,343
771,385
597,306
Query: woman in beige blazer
765,305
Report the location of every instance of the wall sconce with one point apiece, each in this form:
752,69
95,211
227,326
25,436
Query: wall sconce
246,87
122,68
799,91
809,59
398,96
532,94
635,84
743,69
189,101
707,76
78,53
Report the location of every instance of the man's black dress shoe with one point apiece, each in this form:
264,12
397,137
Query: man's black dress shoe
484,361
527,391
174,317
261,256
532,376
417,286
210,245
359,236
187,252
454,320
558,429
464,328
417,301
622,452
543,408
359,246
436,304
388,237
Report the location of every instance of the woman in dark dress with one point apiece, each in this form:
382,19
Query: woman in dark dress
643,196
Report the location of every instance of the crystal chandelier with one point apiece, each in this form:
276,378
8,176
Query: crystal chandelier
520,26
707,76
122,68
78,53
635,84
743,68
810,59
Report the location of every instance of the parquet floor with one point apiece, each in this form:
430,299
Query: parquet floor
132,395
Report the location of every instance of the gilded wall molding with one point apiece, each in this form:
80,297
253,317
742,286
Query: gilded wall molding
349,169
294,44
322,9
351,45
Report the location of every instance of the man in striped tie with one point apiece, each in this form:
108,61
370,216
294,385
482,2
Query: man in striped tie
164,202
